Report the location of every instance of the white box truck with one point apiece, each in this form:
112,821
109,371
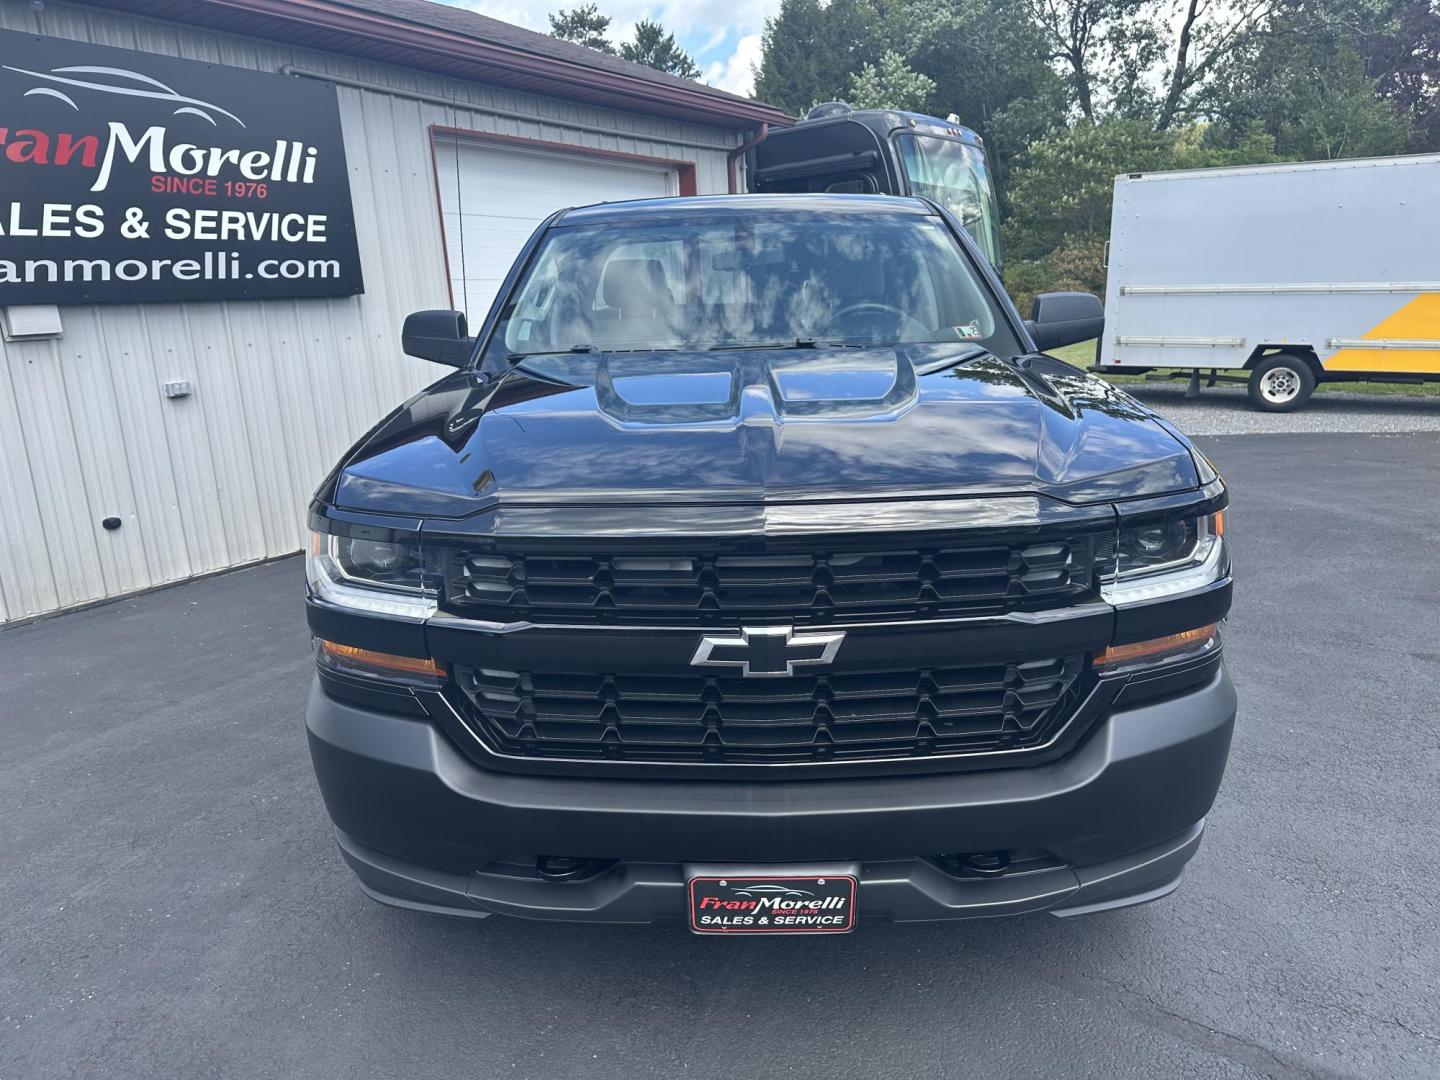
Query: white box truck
1291,274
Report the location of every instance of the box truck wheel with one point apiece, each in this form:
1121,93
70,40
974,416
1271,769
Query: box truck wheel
1281,383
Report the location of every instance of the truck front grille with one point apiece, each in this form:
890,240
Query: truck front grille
697,718
649,586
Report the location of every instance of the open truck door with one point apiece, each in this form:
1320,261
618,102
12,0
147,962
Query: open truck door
842,150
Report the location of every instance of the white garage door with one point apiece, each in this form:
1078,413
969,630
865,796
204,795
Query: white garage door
494,196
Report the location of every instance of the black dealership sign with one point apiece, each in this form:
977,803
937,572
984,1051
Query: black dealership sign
128,177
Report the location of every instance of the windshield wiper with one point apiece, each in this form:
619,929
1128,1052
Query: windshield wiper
793,343
521,357
798,343
761,346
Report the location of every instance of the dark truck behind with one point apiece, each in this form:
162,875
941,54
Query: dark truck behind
754,569
840,150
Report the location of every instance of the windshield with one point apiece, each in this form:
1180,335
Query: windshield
742,280
955,175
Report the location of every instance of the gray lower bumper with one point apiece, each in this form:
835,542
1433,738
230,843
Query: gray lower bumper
1119,817
906,890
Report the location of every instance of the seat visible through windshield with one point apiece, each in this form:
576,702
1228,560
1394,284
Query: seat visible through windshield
737,281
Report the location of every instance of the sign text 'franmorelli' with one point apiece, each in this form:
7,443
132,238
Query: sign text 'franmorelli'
130,177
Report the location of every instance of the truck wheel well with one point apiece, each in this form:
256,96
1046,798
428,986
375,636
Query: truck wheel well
1304,352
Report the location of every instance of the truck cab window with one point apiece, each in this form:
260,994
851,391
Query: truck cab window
954,175
850,183
853,185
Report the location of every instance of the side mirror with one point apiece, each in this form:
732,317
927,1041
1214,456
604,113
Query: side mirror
438,336
1063,318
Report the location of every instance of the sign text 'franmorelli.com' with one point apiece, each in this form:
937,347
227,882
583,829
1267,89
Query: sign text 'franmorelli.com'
129,177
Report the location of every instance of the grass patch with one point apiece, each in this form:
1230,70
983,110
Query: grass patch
1082,355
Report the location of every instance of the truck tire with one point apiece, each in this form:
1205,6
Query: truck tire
1281,383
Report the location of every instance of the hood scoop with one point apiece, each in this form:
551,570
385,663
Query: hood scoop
758,387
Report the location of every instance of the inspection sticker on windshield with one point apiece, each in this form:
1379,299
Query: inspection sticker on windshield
969,330
772,905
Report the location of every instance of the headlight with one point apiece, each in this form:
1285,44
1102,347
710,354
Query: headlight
1166,558
387,564
385,575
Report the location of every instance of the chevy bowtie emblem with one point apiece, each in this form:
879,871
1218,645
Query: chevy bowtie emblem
767,651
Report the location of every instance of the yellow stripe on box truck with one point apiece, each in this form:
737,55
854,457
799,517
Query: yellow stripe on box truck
1403,332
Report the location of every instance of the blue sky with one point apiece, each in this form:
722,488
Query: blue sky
722,35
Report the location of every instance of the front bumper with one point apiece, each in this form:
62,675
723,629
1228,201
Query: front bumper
423,826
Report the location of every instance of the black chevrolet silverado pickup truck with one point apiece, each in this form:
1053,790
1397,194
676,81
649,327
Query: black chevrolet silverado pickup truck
756,570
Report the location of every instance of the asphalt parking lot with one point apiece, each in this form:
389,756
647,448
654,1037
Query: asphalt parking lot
172,904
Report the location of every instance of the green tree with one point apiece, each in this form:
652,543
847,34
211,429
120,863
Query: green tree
810,51
988,62
1206,37
1303,80
1345,119
656,47
1207,84
1404,58
1067,185
1146,59
891,84
1077,265
986,59
1102,46
583,25
652,45
1062,198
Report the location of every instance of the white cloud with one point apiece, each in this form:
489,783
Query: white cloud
691,17
703,26
530,16
736,74
710,20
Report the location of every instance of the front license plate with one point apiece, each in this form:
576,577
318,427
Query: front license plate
772,905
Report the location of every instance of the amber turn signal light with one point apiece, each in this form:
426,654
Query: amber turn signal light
352,658
1155,648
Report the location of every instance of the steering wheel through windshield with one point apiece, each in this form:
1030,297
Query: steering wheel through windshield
880,322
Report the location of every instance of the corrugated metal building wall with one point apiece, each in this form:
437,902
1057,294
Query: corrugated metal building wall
280,387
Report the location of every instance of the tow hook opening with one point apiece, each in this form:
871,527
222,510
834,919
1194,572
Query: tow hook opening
568,867
980,863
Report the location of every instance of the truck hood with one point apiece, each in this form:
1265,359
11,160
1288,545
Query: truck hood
768,426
